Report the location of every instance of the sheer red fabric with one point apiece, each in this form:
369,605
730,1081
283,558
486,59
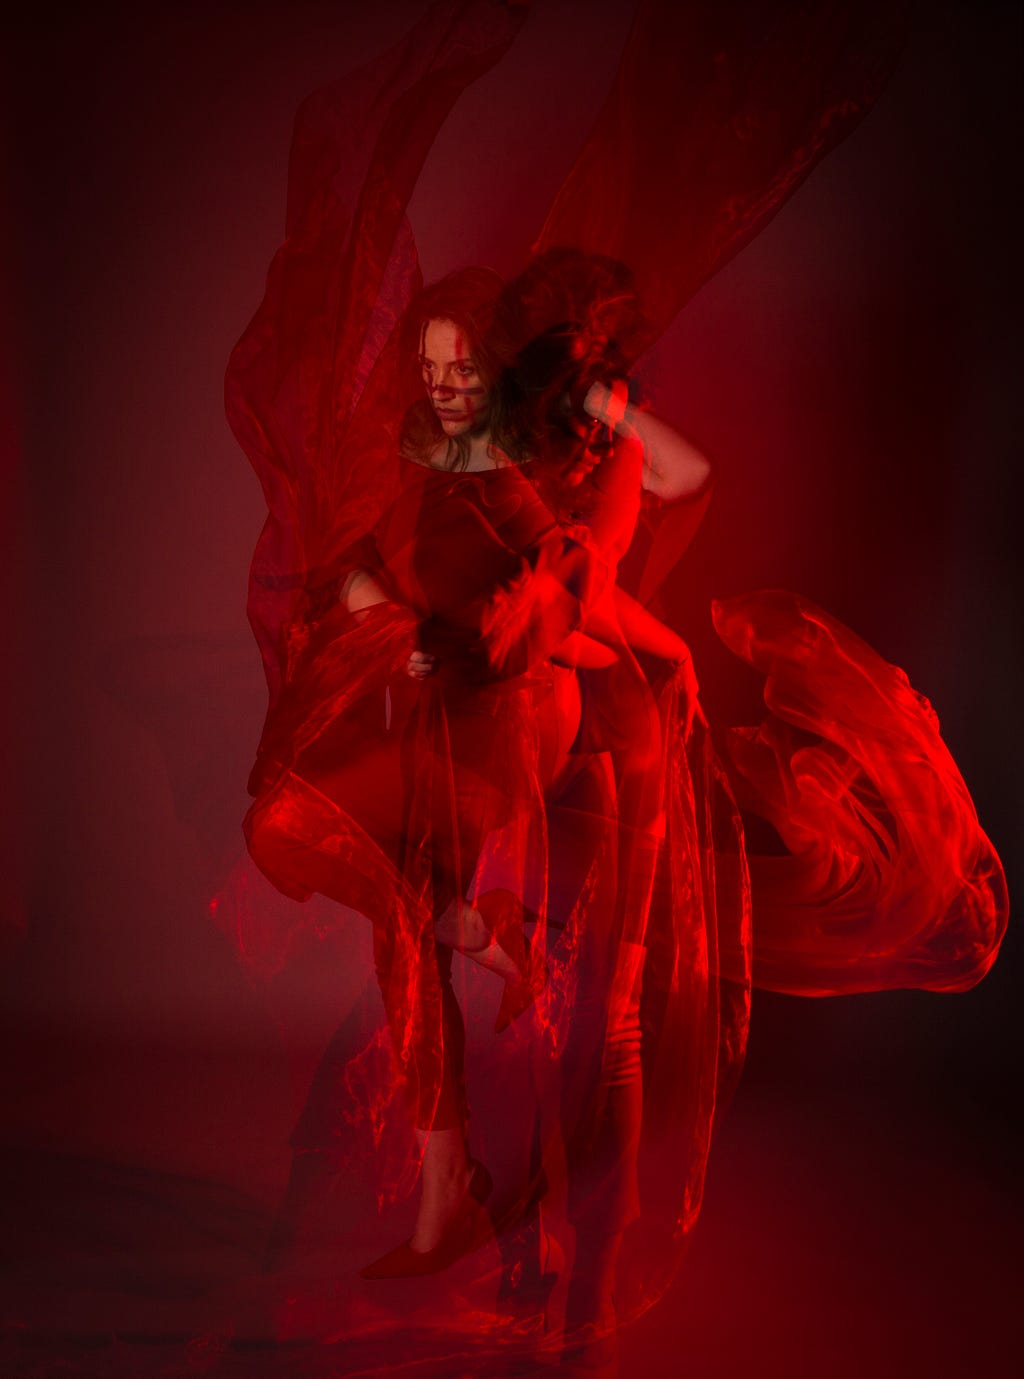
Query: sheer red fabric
568,802
335,289
716,116
889,879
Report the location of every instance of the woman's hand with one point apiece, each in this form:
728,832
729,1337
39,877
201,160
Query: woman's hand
365,598
420,664
608,403
685,678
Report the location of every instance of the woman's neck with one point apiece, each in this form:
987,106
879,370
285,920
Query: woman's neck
483,454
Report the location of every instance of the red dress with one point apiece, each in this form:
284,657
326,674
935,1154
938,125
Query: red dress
482,781
387,808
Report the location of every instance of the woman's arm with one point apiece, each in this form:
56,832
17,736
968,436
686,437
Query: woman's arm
642,631
618,619
360,592
628,621
673,466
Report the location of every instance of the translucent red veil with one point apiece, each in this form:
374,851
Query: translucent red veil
716,115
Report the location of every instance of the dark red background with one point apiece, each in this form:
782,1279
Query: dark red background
854,374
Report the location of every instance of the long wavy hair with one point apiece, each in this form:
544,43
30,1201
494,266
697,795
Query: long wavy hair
474,300
575,320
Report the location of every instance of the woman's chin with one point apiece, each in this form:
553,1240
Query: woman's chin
453,427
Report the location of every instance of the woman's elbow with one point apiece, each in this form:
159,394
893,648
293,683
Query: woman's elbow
684,481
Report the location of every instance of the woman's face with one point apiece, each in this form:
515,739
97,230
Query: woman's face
459,394
589,442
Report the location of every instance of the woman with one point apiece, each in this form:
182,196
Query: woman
848,841
598,457
514,610
469,573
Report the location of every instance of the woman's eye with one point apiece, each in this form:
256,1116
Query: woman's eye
465,371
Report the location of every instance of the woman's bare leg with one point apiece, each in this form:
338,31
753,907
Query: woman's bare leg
444,1182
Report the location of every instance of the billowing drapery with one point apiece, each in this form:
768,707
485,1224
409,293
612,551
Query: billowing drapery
391,799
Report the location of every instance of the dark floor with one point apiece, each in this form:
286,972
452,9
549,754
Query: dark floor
847,1231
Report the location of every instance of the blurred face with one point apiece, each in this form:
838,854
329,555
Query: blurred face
590,442
457,391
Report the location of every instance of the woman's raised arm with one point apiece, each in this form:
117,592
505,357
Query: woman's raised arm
673,466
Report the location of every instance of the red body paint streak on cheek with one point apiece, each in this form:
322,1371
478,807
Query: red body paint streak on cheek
462,353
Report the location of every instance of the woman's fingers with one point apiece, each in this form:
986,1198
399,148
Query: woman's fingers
607,402
420,665
688,689
692,711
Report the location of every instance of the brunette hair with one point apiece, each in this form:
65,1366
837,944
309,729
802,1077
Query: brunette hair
593,294
576,320
473,299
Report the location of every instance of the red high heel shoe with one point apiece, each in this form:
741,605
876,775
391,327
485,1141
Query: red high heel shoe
468,1229
531,1262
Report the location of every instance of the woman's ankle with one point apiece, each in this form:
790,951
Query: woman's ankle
590,1303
